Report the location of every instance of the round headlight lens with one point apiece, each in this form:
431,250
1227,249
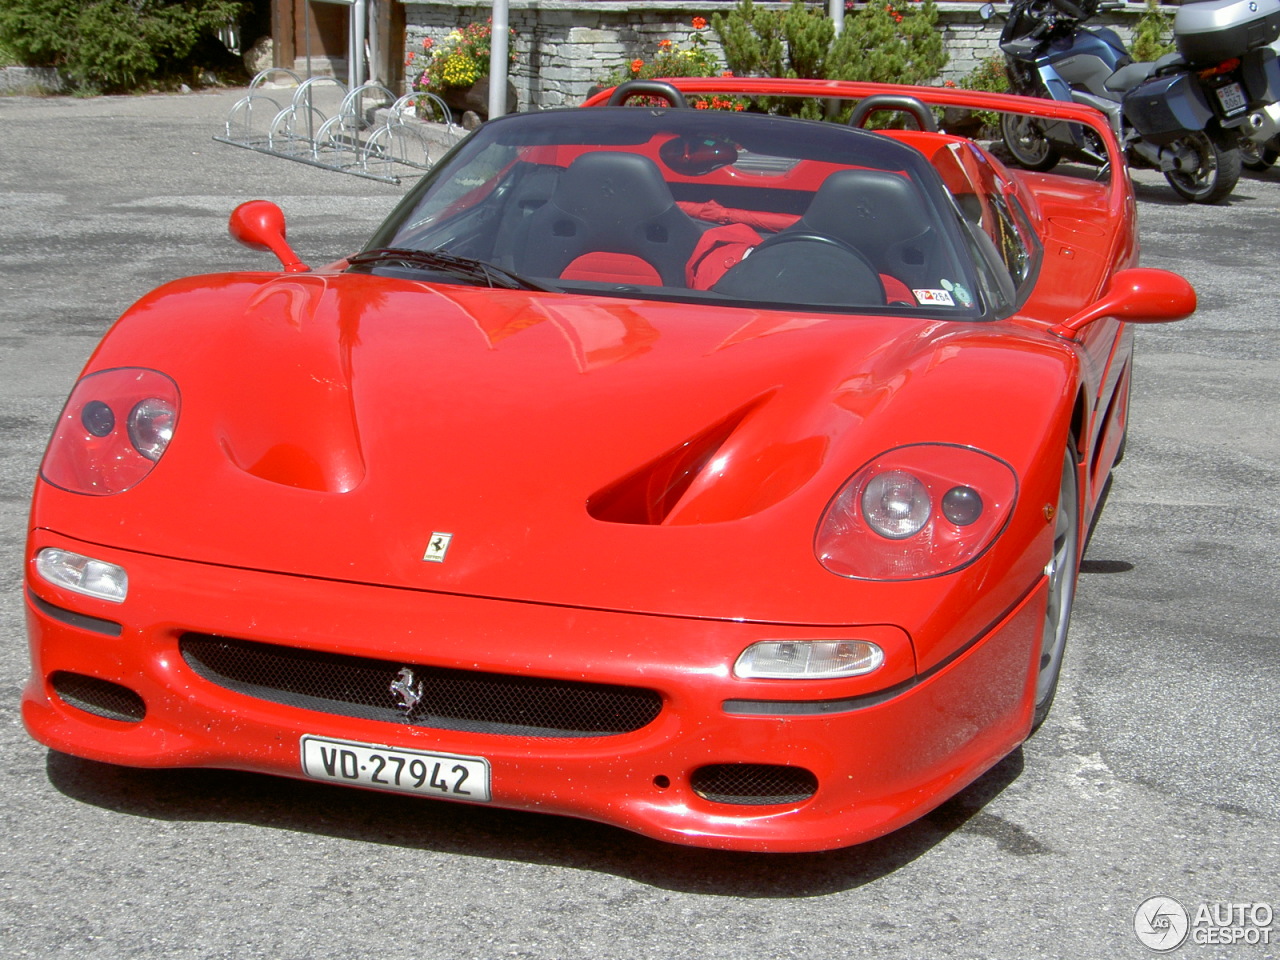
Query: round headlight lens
896,504
97,418
962,505
151,426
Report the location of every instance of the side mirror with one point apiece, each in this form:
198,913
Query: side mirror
987,11
259,225
1136,295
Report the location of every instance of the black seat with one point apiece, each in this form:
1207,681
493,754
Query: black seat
883,216
610,203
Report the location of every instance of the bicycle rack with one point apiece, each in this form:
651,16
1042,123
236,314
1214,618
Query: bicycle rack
350,140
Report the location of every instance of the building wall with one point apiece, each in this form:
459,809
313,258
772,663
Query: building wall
565,47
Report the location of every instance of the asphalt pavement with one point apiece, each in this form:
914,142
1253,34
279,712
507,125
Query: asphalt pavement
1158,772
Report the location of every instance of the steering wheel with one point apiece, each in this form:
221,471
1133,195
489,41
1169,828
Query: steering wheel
835,243
800,236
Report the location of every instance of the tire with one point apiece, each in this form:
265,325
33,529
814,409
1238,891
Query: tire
1215,175
1063,569
1025,140
1256,156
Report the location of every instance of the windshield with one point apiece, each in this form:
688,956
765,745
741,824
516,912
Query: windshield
698,205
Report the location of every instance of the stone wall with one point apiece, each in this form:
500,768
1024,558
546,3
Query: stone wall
565,47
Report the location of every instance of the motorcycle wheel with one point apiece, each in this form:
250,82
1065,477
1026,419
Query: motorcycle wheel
1215,175
1256,156
1025,140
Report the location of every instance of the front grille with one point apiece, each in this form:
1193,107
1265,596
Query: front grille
102,698
753,783
450,699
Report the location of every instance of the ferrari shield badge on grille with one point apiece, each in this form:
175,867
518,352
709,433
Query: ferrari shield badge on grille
406,690
437,547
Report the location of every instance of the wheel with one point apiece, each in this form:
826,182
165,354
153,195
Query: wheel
1256,156
1063,568
1217,169
1025,139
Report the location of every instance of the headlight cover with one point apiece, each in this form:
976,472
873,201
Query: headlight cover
115,427
916,511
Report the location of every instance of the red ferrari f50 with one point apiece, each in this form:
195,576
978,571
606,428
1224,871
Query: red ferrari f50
718,475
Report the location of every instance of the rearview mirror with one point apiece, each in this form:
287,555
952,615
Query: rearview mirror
259,225
1136,295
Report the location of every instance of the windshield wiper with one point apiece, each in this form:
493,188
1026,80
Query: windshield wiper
466,267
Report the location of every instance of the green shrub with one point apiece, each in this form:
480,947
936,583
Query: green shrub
988,76
670,59
1149,36
116,45
887,42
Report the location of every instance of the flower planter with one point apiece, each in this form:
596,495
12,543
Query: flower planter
475,98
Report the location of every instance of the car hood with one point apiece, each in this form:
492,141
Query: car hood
611,453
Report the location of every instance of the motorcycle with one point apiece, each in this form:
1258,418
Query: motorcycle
1185,114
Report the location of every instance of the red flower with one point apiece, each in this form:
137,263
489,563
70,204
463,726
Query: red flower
727,73
427,43
949,83
699,23
636,65
663,44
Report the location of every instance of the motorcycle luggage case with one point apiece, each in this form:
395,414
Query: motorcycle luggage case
1163,109
1210,31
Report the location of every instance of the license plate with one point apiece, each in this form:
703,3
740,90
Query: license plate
393,768
1232,98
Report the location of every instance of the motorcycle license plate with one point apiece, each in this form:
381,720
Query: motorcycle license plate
1232,98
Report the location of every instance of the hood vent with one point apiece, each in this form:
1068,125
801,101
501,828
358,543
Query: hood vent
649,495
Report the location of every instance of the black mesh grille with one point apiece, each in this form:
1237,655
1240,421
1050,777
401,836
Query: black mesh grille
753,783
449,699
102,698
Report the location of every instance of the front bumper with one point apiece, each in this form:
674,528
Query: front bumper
882,750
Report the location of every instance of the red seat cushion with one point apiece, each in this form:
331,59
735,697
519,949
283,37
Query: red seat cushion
600,267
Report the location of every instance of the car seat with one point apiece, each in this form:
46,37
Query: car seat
611,218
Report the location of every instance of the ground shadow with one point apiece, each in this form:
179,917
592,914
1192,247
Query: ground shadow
1105,566
412,823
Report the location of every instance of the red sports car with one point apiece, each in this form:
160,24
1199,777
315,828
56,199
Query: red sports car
719,475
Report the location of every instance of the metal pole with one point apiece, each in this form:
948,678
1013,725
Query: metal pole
359,18
836,10
499,57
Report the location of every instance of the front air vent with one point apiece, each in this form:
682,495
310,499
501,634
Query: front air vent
445,699
102,698
752,784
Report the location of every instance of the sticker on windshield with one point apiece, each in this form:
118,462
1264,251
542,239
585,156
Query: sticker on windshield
959,292
934,297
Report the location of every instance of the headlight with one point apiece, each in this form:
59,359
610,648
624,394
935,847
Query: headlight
808,659
93,578
917,511
116,425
